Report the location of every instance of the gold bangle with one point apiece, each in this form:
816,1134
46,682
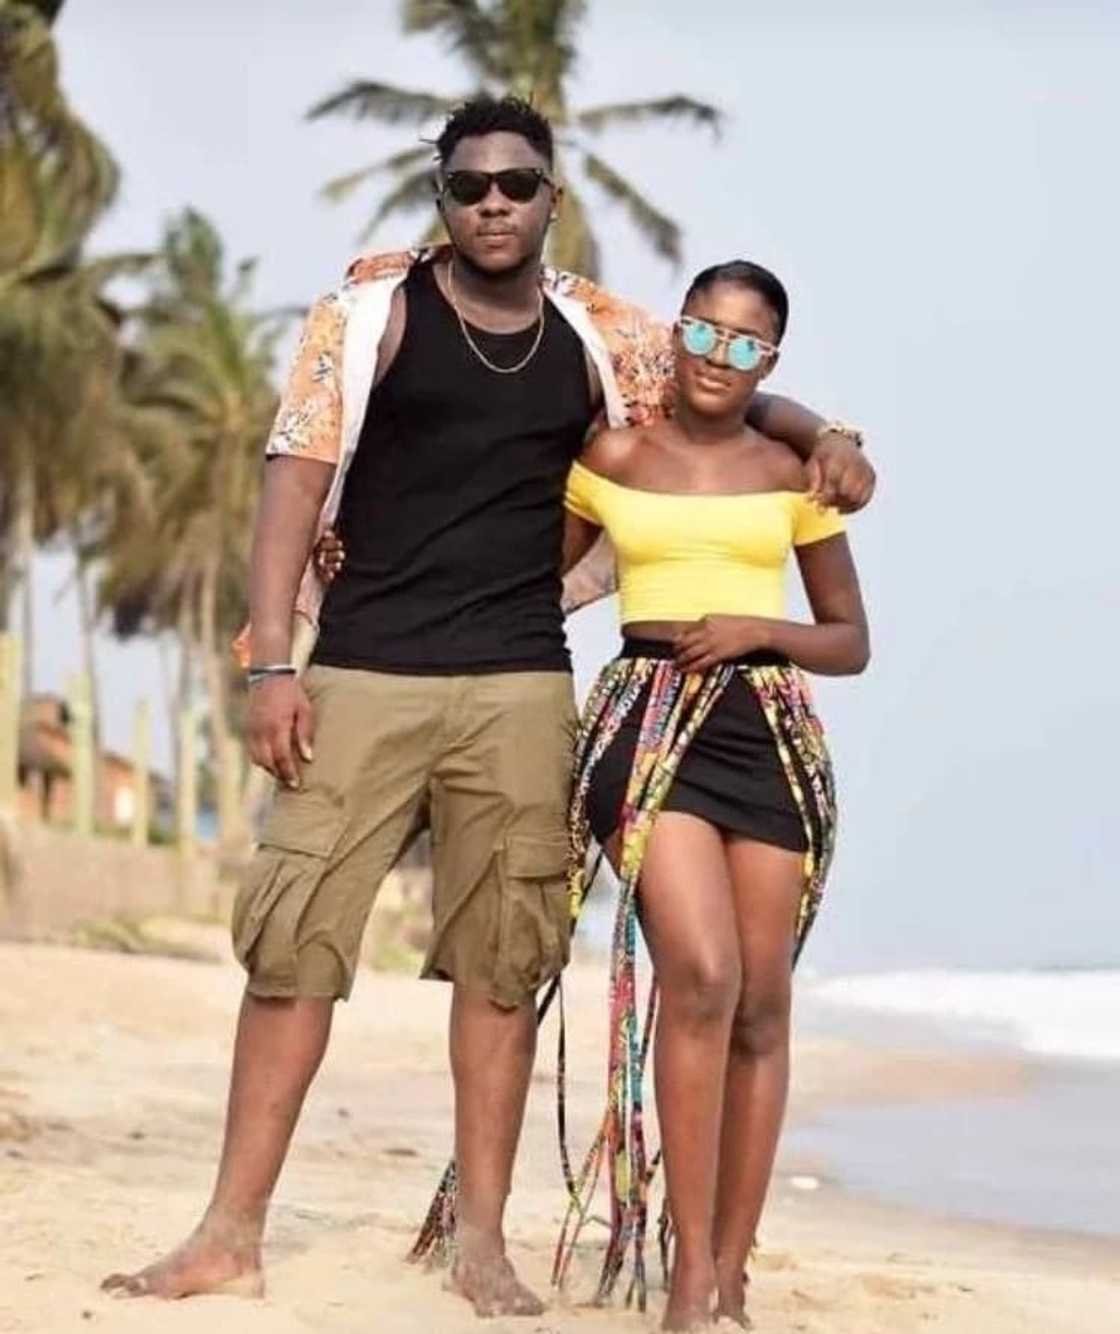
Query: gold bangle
852,433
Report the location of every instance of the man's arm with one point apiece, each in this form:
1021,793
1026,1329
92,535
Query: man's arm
280,722
592,578
292,497
839,474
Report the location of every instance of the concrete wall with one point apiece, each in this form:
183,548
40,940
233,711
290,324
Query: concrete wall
55,879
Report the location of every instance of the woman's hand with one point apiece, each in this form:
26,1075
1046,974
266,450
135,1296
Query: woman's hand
329,555
716,639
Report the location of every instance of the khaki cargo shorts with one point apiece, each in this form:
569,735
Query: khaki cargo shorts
488,761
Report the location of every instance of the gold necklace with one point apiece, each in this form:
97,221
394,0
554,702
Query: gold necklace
498,370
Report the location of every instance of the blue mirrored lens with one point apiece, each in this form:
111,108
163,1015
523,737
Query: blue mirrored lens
744,353
699,339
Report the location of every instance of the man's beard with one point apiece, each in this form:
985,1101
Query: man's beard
464,263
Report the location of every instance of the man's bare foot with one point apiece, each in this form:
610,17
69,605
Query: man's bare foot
488,1281
206,1262
690,1297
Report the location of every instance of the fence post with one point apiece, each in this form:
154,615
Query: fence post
186,797
10,698
141,774
81,749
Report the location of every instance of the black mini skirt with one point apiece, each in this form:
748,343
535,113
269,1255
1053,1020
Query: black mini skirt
730,776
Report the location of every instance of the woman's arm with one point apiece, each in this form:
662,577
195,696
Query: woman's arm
837,644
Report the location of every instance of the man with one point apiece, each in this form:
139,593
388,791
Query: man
435,404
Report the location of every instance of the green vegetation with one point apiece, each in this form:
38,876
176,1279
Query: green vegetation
527,47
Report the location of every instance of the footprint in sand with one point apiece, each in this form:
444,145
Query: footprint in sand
897,1289
774,1261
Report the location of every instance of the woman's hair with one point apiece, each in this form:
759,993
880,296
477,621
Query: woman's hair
751,276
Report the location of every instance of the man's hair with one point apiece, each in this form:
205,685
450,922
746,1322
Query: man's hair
491,115
754,278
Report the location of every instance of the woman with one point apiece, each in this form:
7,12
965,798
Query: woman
701,770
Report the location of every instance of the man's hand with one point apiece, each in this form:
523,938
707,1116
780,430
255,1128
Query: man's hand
715,639
839,474
329,555
281,727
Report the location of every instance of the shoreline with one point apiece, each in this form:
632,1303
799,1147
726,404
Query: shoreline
112,1084
1030,1144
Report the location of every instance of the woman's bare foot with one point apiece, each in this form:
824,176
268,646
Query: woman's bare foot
485,1277
690,1296
212,1259
731,1296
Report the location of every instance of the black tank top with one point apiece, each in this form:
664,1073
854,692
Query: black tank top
452,513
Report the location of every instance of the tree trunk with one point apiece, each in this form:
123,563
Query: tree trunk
23,553
178,695
87,626
7,568
225,752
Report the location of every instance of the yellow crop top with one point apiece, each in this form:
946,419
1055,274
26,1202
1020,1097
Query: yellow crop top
681,557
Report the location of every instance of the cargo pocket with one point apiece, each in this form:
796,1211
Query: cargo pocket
534,935
299,838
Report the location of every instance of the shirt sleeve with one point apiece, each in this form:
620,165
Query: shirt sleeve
810,525
309,420
579,495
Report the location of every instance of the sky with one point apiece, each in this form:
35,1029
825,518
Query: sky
936,184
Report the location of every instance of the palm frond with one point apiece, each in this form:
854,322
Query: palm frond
343,186
541,35
48,9
30,64
21,207
435,233
94,274
470,31
677,108
571,243
412,193
366,100
662,233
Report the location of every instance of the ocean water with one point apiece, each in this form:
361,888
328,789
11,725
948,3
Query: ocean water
1046,1155
1073,1014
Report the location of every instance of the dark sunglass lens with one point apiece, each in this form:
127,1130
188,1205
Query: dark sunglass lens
468,187
519,183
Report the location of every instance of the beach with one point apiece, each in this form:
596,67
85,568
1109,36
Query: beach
112,1084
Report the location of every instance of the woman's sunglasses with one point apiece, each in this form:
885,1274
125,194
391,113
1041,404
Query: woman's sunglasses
744,351
518,184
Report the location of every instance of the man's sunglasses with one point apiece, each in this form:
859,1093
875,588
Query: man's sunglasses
518,184
744,351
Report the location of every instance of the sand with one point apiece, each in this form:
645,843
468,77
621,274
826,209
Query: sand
112,1081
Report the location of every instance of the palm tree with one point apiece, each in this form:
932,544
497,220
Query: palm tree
527,47
56,337
199,374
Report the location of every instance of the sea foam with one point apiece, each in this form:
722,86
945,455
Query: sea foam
1053,1013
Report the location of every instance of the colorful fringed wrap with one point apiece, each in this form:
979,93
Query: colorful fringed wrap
676,709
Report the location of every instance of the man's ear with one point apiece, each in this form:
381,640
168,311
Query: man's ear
557,200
